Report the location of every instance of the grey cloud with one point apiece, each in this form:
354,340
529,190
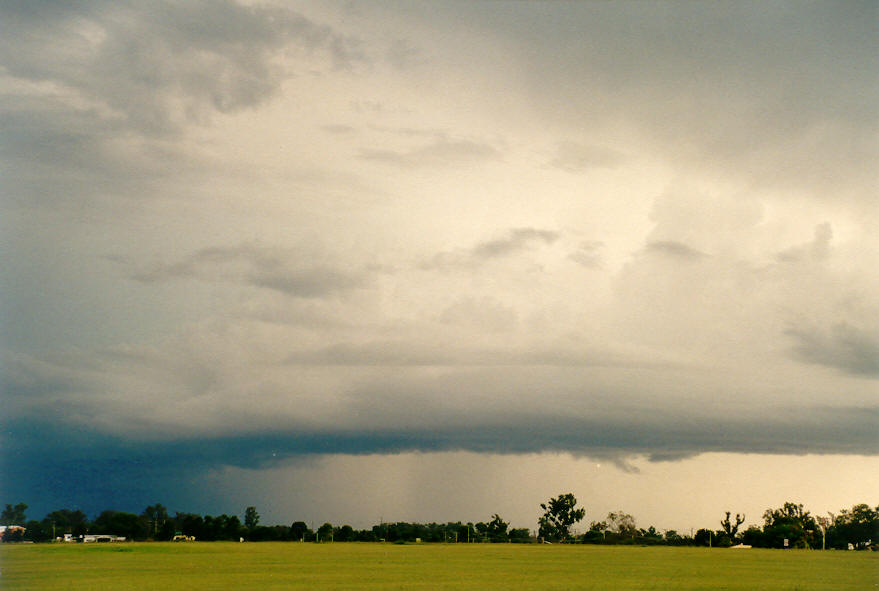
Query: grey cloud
60,466
575,157
516,240
474,409
149,60
307,283
398,353
441,152
674,249
404,55
778,94
141,416
51,152
485,314
274,269
845,347
102,90
818,249
587,254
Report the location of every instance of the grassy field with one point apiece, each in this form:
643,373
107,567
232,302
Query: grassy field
221,565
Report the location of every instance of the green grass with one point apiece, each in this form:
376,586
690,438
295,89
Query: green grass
223,565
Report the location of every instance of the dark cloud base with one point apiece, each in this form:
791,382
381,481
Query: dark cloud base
51,466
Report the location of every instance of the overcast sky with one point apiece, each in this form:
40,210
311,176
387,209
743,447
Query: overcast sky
432,261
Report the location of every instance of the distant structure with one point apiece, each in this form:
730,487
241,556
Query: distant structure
100,538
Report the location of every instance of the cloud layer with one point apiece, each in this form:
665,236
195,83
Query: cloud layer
247,234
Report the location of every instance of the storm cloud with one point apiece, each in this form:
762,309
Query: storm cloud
263,237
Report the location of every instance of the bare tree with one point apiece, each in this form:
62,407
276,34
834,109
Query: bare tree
729,528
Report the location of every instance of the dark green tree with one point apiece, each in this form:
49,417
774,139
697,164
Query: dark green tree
596,533
157,519
497,529
858,526
559,515
520,535
191,524
232,528
65,521
251,517
299,531
14,515
704,537
792,523
325,533
120,523
649,536
37,531
753,536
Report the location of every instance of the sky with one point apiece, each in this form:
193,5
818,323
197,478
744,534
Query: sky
432,261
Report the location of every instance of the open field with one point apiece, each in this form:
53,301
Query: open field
222,565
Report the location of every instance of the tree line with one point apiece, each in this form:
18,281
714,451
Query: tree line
787,526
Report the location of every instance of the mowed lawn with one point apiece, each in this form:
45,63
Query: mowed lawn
223,565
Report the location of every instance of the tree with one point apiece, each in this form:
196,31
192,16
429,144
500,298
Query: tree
120,523
559,515
493,531
251,517
596,533
325,533
857,526
792,523
232,528
673,538
520,535
14,515
157,519
344,534
621,524
497,529
728,528
753,536
703,537
191,524
65,521
300,531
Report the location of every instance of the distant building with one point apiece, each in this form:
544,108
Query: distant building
98,538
